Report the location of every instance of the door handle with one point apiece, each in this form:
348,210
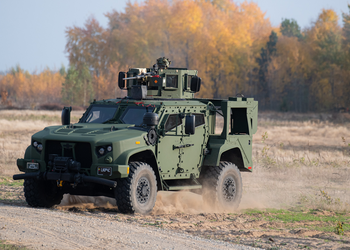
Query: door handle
182,146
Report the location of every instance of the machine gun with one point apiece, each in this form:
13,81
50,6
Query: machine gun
141,76
159,81
162,63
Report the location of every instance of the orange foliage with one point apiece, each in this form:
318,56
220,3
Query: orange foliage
223,40
27,90
220,39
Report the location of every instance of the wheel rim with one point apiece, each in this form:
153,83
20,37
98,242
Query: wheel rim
143,190
229,189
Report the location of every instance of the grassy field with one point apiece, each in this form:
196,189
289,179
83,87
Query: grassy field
303,163
16,129
8,246
299,160
299,187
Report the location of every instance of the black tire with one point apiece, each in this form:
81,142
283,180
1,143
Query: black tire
222,186
138,192
40,193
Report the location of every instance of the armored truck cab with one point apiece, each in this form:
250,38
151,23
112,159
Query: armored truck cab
159,137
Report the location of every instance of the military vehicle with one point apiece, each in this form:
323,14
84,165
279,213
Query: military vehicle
159,137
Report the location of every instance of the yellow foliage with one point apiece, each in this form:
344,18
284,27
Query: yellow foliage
29,90
222,39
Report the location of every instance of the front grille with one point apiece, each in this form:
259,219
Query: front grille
82,151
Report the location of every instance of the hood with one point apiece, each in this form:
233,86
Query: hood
90,132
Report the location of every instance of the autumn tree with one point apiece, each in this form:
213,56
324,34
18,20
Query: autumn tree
264,61
219,38
346,28
77,87
233,46
31,90
346,56
290,28
325,44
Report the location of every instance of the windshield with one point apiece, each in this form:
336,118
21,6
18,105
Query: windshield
100,114
134,115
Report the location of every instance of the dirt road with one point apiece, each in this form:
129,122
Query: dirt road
295,169
55,229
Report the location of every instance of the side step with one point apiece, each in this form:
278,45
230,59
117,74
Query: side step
174,188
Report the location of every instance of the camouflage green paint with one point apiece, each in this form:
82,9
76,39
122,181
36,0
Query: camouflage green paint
175,155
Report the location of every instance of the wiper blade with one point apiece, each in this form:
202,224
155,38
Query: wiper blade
109,120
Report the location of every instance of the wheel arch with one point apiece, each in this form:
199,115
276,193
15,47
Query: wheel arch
147,156
27,154
223,153
234,155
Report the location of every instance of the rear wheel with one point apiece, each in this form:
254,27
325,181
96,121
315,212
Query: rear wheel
138,192
40,193
222,186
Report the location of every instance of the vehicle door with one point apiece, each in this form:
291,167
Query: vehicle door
167,156
191,155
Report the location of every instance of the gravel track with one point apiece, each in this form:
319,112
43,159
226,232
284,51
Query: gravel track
53,229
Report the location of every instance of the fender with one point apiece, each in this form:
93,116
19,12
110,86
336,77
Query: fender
217,149
123,159
27,154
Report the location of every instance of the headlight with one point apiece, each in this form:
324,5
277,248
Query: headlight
101,151
38,146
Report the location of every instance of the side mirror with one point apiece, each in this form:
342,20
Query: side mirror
190,123
121,82
65,117
151,119
196,83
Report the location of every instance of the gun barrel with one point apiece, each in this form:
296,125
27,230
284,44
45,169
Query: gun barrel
131,78
138,76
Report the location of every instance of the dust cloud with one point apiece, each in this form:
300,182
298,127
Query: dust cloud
167,203
267,187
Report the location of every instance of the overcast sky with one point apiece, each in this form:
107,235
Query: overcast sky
32,32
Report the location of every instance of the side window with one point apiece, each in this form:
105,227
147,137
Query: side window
239,121
172,122
134,115
171,81
199,119
189,79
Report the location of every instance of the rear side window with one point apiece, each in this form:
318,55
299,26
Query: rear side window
172,122
239,121
199,119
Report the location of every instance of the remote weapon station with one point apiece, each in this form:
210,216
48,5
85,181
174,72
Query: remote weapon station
159,137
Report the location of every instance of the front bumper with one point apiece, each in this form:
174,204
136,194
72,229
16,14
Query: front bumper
68,177
117,171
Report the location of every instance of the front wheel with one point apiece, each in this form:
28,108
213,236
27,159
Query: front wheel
41,193
138,192
222,186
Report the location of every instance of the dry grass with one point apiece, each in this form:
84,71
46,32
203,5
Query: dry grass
299,163
298,160
16,129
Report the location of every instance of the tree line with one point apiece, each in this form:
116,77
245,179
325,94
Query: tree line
233,46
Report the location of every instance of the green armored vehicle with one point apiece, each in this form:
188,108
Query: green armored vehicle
159,137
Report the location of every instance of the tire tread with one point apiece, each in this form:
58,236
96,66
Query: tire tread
124,188
37,194
211,183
